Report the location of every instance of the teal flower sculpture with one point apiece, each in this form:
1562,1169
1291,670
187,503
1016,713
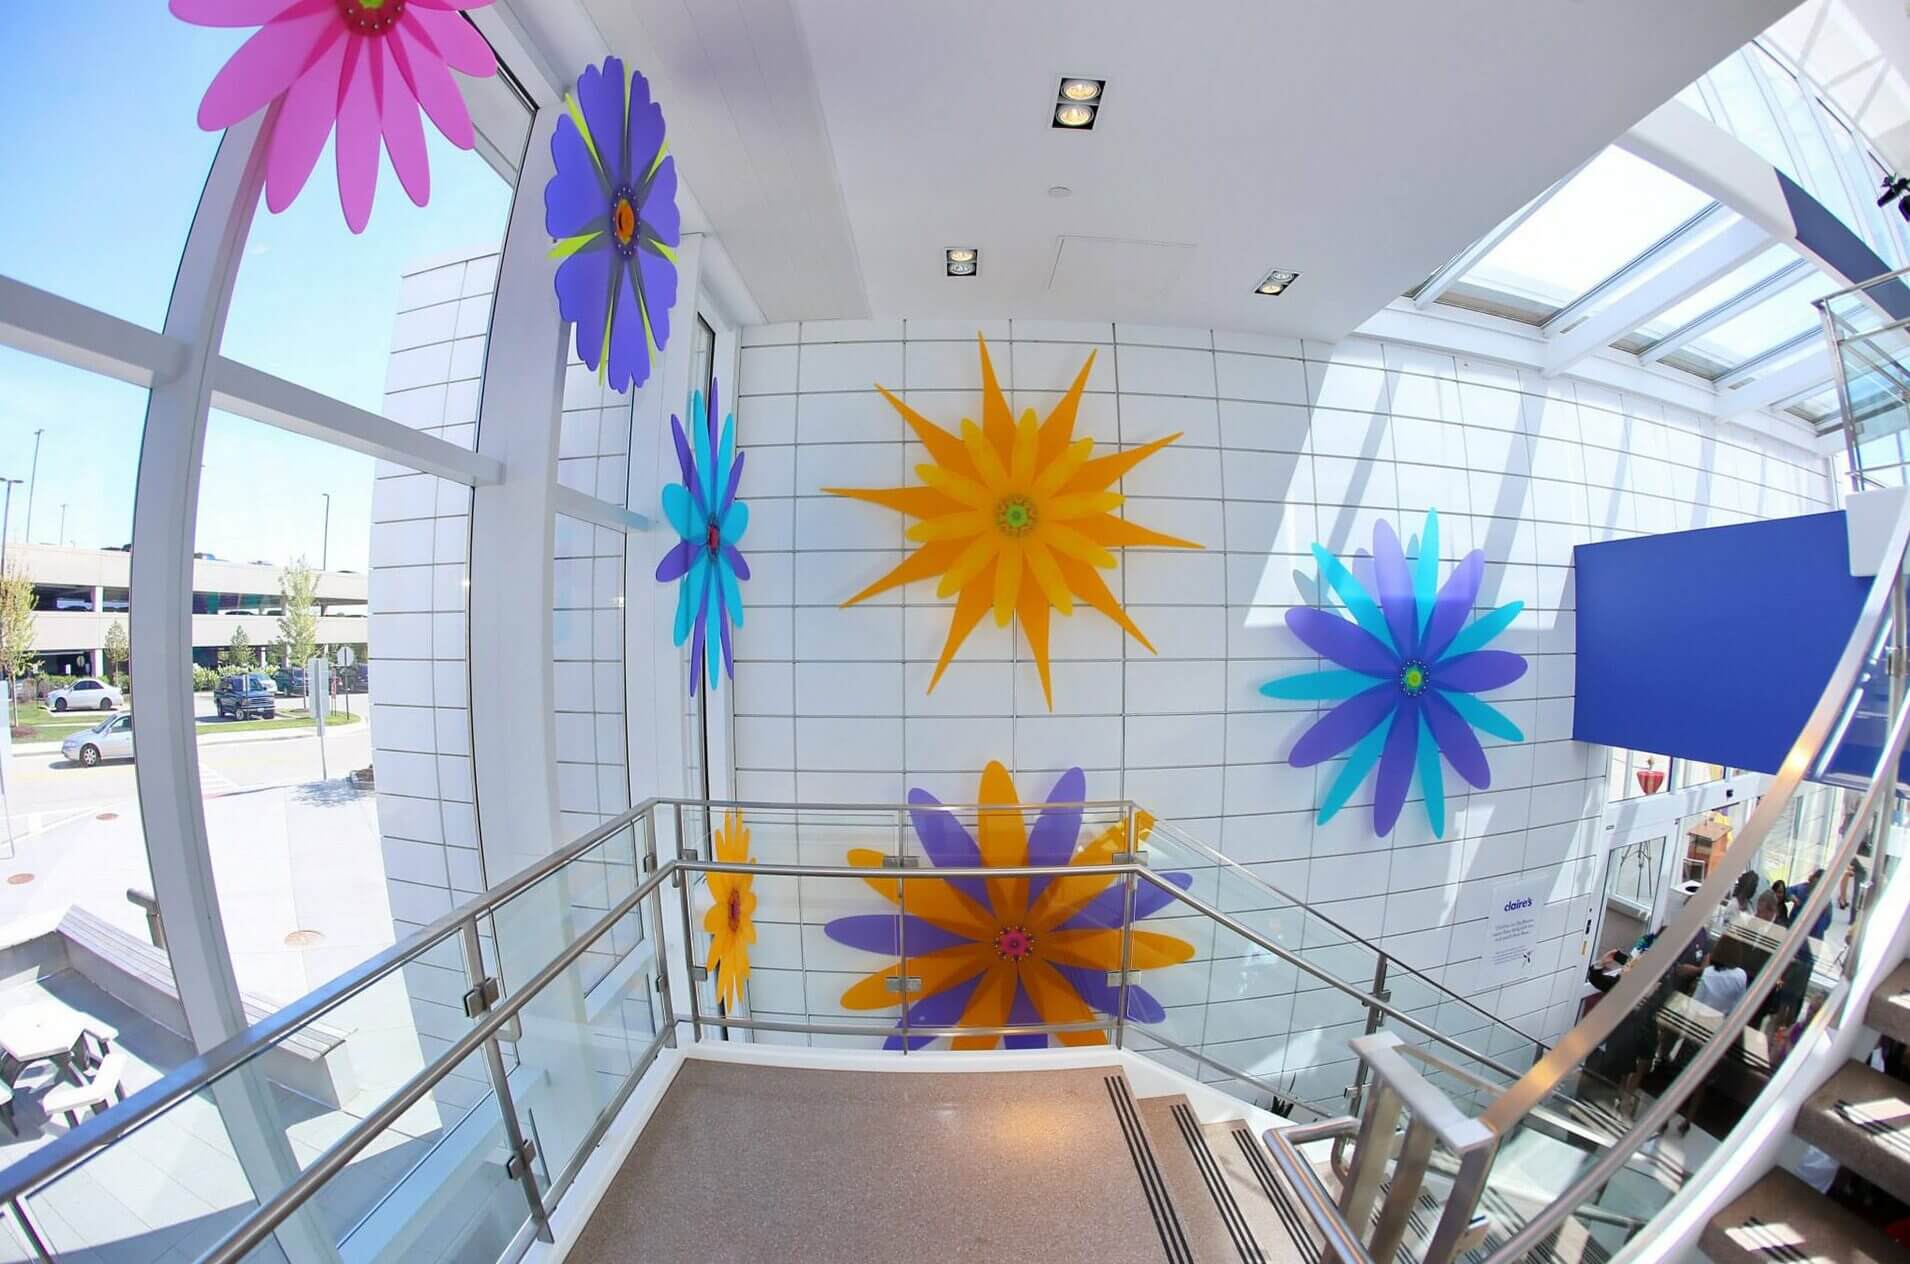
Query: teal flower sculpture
705,564
1409,670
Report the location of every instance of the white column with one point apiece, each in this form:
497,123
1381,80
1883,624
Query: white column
513,721
165,506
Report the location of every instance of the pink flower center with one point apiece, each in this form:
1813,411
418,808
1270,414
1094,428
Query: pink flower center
371,17
1014,943
736,910
715,539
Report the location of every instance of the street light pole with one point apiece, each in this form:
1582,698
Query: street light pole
62,539
33,482
6,515
325,542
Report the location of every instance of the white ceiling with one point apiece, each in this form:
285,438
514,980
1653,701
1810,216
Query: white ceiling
838,145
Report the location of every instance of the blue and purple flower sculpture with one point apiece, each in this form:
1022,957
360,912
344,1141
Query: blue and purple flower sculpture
611,205
706,564
1409,671
995,952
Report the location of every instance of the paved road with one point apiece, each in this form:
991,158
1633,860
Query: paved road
290,851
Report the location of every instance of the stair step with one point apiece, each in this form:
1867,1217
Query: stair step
1889,1009
1781,1220
1169,1223
1861,1118
1217,1226
1279,1221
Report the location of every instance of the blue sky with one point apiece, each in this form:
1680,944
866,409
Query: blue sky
105,164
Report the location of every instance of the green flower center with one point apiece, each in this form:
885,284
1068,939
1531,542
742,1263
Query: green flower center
1412,677
1015,515
371,17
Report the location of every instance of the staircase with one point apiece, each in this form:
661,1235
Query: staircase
1061,1166
1861,1118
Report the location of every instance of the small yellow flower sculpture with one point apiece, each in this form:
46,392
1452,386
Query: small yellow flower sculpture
731,919
1016,517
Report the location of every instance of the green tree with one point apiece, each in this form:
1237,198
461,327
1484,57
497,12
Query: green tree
298,625
17,658
117,648
237,654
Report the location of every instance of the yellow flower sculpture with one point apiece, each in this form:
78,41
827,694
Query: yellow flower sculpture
730,920
1015,517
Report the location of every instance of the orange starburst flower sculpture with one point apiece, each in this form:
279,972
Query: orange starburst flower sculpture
731,917
1015,516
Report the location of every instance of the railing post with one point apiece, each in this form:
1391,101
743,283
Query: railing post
660,950
1372,1150
521,1163
689,943
1356,1092
1129,881
902,933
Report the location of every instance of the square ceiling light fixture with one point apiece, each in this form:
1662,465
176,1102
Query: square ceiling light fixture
962,261
1077,103
1276,282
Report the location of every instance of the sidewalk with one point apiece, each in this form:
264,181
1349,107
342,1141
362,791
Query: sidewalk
207,737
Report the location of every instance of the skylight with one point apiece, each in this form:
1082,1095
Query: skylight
1719,292
1605,216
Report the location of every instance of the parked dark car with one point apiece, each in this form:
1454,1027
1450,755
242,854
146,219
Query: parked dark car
245,697
291,681
355,678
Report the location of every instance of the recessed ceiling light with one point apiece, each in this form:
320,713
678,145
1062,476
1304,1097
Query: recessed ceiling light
961,269
1059,190
1077,102
961,256
961,261
1276,282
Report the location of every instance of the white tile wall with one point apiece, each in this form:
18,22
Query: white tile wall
1281,446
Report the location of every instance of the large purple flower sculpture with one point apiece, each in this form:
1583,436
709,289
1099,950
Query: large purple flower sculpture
994,952
611,205
705,563
1409,669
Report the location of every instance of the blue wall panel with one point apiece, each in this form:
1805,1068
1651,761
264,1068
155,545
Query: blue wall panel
1715,644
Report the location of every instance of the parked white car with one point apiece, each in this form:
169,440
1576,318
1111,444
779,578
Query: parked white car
86,694
111,738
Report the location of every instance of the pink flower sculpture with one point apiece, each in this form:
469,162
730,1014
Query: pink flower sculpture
366,65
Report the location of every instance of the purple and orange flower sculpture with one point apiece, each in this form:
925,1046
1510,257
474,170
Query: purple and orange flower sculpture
705,563
994,952
1409,671
366,66
611,205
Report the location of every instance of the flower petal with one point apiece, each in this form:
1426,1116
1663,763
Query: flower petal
1052,837
688,596
735,523
1315,686
943,1009
1432,782
574,199
1426,573
1342,642
240,12
886,933
1353,772
737,563
659,214
1480,632
600,101
1453,604
732,596
265,66
1478,671
1484,716
682,514
676,563
1456,740
1345,725
431,83
305,120
402,127
659,293
629,352
946,843
1105,910
452,37
356,149
1396,767
1348,588
645,128
1095,989
1395,584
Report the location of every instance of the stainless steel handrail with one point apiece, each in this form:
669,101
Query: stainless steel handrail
1809,752
1239,870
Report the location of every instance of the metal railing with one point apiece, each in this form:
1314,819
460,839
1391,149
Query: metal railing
497,1016
1867,331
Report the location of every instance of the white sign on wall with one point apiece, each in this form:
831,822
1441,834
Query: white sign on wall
1512,930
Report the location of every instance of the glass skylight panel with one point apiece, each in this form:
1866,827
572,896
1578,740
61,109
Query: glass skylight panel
1605,216
1776,320
1719,292
1747,114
